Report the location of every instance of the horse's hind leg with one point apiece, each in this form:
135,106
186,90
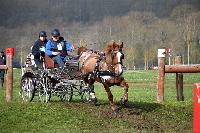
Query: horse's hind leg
90,84
124,98
110,98
92,94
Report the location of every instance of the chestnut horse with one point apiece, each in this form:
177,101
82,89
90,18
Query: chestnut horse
106,68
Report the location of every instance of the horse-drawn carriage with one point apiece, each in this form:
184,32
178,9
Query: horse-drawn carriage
48,80
77,77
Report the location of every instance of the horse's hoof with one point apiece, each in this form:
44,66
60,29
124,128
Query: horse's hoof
123,102
93,101
115,113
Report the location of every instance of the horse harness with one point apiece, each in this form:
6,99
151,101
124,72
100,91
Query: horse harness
101,58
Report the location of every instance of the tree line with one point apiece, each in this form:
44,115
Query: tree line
143,26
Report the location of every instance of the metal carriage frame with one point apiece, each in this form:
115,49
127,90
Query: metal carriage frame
49,81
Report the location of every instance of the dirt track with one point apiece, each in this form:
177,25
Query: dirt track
140,116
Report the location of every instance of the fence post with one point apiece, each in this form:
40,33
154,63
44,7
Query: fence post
9,76
196,113
179,80
161,75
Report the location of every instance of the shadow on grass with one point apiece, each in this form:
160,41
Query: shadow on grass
143,106
135,108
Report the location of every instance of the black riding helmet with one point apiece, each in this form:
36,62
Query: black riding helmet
55,32
43,34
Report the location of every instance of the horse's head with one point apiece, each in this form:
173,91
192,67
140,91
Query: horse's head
114,56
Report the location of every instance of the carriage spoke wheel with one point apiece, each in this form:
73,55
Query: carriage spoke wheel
67,95
44,92
44,95
27,89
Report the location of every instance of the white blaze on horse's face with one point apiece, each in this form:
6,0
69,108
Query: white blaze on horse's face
119,54
119,70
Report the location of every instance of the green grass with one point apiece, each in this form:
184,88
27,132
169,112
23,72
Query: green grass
143,113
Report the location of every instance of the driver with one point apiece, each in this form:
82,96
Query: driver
57,47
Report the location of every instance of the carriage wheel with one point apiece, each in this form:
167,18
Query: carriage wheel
27,89
44,95
44,92
67,96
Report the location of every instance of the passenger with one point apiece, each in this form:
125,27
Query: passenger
38,49
57,47
2,71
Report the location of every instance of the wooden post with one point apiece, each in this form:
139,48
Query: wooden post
179,87
179,80
161,75
9,76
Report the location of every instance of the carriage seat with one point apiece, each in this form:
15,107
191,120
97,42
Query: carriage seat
72,63
49,63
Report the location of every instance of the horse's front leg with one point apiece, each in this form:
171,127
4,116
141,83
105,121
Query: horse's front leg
124,98
110,98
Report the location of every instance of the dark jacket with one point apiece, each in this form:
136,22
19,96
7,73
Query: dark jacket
36,48
2,62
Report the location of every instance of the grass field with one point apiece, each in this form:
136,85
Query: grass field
143,113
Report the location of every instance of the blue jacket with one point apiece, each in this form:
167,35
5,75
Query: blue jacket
53,46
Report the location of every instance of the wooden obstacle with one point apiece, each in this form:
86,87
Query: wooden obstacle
9,76
178,69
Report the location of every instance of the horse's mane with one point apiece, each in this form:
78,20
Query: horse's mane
81,50
111,46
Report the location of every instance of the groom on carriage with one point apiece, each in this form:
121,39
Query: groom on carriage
38,48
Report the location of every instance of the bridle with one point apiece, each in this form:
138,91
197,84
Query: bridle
120,56
119,51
